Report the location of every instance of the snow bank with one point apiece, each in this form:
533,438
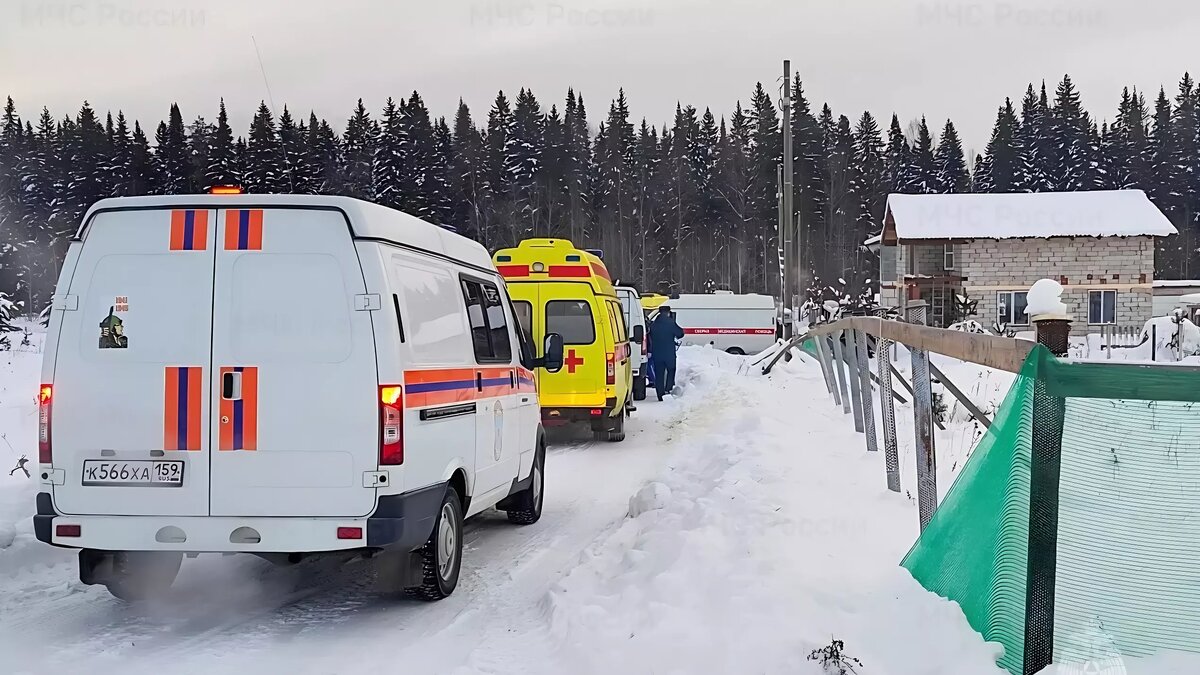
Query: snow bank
19,373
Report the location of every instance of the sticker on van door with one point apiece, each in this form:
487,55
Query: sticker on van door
183,405
244,230
112,332
189,230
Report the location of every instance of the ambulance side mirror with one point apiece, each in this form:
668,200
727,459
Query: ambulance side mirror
552,353
639,334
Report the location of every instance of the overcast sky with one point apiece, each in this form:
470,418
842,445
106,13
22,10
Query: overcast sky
940,58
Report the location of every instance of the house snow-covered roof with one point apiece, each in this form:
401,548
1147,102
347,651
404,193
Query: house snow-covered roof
1177,283
1040,215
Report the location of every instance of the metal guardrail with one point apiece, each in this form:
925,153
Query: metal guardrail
843,349
1001,353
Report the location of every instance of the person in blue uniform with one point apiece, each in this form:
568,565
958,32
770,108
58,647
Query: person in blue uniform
664,331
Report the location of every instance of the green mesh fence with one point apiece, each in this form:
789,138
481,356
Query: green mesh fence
810,346
1123,561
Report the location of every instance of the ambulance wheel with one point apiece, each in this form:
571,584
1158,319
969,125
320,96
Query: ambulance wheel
617,433
441,556
736,351
142,575
639,388
527,505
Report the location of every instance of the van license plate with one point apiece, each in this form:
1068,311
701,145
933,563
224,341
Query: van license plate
137,473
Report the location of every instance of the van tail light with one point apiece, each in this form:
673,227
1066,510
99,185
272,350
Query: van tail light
391,423
45,396
645,346
610,372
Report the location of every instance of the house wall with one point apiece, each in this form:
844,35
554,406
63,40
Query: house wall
909,259
1113,263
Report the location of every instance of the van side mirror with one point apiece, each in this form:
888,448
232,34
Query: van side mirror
639,334
552,353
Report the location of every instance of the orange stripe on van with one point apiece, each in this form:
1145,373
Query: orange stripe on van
255,235
243,230
183,407
250,405
225,435
239,418
195,407
171,409
423,388
189,230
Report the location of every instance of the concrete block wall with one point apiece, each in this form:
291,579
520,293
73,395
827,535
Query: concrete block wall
1113,263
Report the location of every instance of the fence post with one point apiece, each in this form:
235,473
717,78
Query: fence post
1054,333
818,342
852,373
838,363
927,497
864,371
887,402
827,353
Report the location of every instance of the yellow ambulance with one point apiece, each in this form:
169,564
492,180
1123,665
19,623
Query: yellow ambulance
557,288
652,301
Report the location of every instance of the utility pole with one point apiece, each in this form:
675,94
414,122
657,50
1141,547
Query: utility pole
790,280
782,253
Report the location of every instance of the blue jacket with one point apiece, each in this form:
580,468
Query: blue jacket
663,333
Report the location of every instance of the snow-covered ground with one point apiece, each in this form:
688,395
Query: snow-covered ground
738,528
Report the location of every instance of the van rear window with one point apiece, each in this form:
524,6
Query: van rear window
572,319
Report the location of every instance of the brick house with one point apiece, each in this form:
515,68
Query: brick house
1098,245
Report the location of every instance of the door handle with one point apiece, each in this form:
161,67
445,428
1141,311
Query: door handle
478,381
231,386
512,379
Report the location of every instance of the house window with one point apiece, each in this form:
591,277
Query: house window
948,256
1102,307
1011,308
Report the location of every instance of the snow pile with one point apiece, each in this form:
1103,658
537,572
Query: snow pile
20,369
969,326
1163,339
1174,334
1045,299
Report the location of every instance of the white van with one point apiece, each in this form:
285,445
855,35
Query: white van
635,321
284,376
738,324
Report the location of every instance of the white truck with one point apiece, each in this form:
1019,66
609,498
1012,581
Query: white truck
735,323
635,322
283,376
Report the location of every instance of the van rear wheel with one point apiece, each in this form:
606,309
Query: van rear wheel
639,388
135,576
527,505
441,556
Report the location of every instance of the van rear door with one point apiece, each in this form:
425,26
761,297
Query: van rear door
571,310
129,427
295,396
